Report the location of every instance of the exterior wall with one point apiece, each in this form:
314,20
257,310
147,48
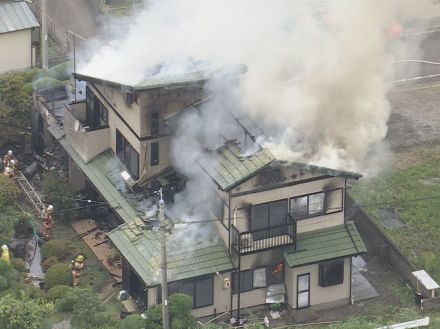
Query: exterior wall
319,295
304,225
164,155
15,50
88,144
222,297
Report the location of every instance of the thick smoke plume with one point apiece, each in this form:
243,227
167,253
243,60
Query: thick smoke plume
318,71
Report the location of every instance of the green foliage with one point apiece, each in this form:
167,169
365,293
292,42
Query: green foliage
180,305
53,188
19,265
48,263
58,274
23,312
58,292
9,191
133,321
13,95
8,276
60,249
154,317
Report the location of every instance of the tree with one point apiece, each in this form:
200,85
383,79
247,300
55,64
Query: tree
133,321
13,94
23,312
9,191
53,188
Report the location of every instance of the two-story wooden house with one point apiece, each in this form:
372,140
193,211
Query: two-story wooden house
278,233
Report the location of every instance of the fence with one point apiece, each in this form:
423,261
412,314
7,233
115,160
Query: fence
379,244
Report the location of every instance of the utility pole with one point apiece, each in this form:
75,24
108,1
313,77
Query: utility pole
163,263
44,41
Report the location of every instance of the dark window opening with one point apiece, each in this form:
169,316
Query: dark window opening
200,290
131,98
155,123
96,112
265,216
127,154
331,273
258,278
154,154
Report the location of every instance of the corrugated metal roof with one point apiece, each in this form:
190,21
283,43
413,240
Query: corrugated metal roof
230,168
15,16
335,242
103,172
201,256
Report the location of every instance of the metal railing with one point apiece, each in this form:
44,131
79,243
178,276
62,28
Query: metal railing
258,240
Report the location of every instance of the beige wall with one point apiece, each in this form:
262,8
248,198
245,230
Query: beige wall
15,50
304,225
88,144
222,297
318,295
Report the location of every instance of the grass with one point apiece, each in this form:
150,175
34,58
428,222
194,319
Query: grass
413,188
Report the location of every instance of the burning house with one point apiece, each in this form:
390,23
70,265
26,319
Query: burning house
275,233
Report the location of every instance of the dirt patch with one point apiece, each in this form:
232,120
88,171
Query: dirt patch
415,156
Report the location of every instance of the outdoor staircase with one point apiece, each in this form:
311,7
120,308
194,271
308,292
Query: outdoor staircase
30,193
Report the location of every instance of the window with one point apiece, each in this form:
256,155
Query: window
307,206
331,273
154,154
127,154
155,123
264,216
96,112
200,290
131,98
256,278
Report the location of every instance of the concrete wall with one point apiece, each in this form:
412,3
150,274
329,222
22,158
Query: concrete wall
15,50
318,295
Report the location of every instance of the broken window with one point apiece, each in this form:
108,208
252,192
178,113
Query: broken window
334,200
154,154
331,273
307,205
127,154
96,112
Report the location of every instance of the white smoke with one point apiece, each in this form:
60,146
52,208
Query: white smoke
318,71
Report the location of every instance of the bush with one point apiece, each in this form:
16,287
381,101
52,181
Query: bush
19,265
58,274
9,191
73,299
48,263
60,249
58,292
133,321
180,305
154,317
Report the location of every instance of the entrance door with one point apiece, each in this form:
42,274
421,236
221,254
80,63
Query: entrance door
303,291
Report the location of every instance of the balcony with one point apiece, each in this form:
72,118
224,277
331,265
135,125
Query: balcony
87,143
248,242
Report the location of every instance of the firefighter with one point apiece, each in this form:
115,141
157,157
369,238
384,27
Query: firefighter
8,157
13,168
9,164
48,218
5,254
77,265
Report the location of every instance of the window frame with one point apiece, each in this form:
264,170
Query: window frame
191,282
155,123
154,149
96,112
269,280
321,279
125,154
325,209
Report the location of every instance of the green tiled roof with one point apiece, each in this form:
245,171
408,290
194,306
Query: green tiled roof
230,168
197,257
325,244
103,171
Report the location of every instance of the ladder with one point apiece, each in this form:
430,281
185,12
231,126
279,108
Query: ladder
30,193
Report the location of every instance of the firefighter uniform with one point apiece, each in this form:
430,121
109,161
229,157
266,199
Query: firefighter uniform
77,265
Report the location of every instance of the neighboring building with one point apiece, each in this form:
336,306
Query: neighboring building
17,33
280,233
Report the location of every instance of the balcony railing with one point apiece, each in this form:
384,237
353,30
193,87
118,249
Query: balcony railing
249,242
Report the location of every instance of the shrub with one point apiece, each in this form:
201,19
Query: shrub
73,299
58,274
133,321
19,265
58,292
154,317
180,305
49,262
9,191
60,249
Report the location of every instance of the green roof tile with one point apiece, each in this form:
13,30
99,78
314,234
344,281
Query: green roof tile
335,242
